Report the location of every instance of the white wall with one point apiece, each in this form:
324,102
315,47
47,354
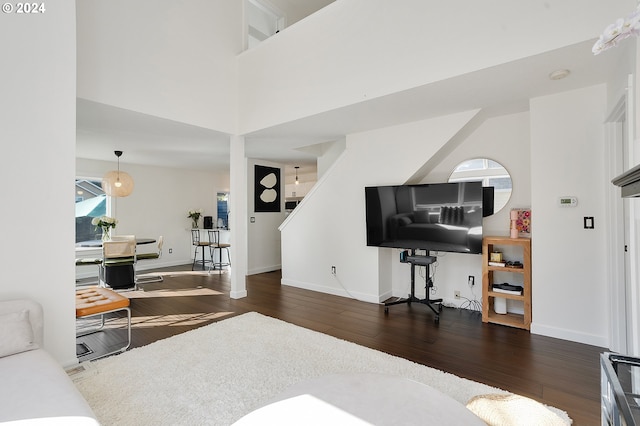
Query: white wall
174,60
305,183
332,219
569,270
353,51
159,204
506,140
37,110
556,149
332,151
264,240
297,11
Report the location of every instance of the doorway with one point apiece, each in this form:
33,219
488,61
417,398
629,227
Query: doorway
623,283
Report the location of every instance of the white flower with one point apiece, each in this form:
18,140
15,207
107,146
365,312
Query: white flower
632,23
618,31
104,222
614,30
598,47
195,214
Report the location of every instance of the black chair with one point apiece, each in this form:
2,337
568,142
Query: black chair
118,262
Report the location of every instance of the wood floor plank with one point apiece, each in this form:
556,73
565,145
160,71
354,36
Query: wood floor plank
553,371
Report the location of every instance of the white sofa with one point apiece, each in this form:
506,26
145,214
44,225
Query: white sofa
35,388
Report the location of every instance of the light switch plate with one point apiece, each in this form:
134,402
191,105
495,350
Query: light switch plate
588,222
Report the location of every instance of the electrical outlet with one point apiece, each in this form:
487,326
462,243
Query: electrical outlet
471,280
456,294
333,270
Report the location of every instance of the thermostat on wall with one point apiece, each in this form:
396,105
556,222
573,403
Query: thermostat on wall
568,201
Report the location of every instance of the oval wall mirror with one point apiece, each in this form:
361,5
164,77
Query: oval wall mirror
494,177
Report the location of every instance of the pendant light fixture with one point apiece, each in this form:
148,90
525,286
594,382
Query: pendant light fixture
297,181
117,183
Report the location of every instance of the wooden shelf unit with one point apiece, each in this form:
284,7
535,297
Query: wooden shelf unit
488,296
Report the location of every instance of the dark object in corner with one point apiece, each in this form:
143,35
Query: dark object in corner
208,222
629,182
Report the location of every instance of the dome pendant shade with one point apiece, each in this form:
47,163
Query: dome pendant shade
117,184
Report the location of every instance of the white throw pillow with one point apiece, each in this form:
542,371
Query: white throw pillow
509,409
16,334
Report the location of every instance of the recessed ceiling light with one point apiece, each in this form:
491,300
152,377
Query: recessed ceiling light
559,74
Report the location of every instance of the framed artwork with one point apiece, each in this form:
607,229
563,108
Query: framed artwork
521,222
267,189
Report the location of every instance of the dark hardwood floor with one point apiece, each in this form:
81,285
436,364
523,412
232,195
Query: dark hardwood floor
556,372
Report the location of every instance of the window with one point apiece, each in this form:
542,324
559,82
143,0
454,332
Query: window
475,164
490,173
90,202
263,21
223,210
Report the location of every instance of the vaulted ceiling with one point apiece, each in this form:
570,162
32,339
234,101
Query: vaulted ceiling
504,89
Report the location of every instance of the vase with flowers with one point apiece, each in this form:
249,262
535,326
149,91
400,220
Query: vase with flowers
105,223
195,217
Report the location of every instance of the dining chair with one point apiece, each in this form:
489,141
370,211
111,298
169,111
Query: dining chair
118,262
215,244
83,261
149,256
198,244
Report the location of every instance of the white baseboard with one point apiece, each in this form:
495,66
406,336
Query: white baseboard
263,269
145,266
564,334
238,294
384,296
363,297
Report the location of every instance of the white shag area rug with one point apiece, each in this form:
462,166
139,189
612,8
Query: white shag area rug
218,373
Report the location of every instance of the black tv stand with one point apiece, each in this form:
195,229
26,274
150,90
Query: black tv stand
425,261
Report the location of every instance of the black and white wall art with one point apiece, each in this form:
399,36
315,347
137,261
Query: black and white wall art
267,189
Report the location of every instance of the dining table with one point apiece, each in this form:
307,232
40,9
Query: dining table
98,243
120,276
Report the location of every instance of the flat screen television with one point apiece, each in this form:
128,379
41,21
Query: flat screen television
435,217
